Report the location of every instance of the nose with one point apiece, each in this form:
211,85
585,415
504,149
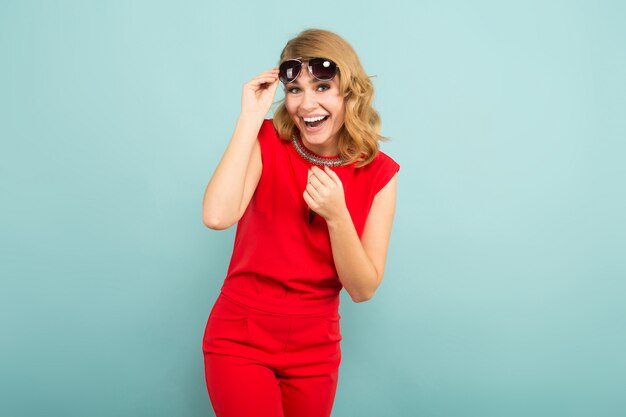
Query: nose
309,101
309,98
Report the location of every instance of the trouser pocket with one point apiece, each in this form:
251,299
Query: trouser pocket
228,321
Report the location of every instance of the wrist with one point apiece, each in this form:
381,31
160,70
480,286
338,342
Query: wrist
338,220
251,117
248,124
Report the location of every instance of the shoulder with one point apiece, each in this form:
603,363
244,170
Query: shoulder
382,163
269,133
386,160
267,127
381,170
268,136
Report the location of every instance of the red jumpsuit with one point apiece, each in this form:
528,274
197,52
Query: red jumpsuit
272,340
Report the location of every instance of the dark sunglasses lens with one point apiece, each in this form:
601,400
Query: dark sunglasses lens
323,69
289,70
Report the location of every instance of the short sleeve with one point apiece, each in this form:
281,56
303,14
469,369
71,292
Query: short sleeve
386,170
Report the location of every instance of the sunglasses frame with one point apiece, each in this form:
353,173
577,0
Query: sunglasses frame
308,61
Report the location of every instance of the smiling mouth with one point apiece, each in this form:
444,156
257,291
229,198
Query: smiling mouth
317,123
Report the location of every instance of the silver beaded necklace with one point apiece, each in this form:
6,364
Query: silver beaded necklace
314,159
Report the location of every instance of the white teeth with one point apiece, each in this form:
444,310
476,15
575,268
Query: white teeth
312,119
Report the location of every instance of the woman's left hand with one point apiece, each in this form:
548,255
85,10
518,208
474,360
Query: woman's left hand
324,193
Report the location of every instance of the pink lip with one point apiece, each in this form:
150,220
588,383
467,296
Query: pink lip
314,115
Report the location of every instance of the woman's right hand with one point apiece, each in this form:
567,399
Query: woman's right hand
259,92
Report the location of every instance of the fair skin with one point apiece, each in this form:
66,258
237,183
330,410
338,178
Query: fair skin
360,263
308,96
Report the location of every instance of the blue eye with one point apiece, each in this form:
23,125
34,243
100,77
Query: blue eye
321,87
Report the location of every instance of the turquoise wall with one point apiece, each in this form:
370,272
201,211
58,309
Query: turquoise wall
505,281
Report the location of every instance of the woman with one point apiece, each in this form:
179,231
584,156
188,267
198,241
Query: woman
314,200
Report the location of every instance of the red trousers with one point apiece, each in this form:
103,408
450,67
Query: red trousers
264,364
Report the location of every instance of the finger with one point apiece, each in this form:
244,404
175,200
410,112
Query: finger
308,199
273,85
332,174
313,180
270,73
312,191
256,84
322,176
263,79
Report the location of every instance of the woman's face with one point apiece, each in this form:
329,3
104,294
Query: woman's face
308,97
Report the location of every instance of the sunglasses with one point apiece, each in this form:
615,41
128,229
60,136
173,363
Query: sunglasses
320,68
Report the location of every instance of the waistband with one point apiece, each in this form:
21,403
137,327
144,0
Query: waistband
290,304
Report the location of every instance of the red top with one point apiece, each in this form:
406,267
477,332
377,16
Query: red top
280,262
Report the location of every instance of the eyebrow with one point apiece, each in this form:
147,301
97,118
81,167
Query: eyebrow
315,81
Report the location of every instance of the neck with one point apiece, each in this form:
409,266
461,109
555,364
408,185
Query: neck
323,150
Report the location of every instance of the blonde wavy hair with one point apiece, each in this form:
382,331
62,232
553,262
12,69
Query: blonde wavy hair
360,132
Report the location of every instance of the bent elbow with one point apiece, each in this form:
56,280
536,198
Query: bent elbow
215,224
362,298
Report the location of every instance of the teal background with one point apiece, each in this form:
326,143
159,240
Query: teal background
505,280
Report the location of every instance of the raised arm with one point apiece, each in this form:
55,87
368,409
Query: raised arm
224,194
